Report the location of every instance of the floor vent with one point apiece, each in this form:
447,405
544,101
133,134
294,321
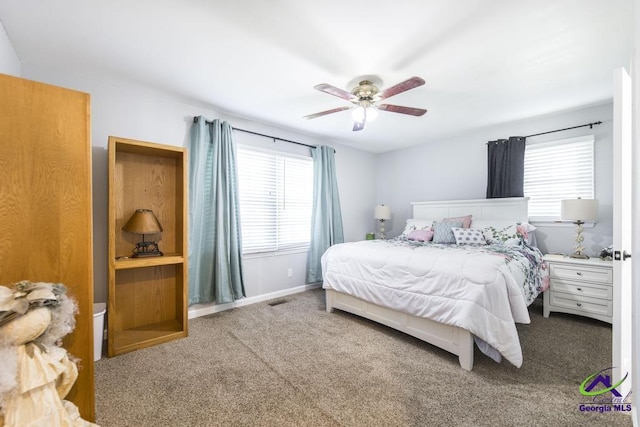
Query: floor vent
277,302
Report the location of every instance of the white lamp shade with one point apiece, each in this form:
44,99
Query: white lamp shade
382,212
579,209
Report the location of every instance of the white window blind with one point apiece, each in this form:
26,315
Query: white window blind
275,192
557,170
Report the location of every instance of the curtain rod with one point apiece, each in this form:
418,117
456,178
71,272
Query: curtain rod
275,138
591,125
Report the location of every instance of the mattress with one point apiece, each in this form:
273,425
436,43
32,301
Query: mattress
483,289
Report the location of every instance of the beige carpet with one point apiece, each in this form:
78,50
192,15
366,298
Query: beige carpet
293,364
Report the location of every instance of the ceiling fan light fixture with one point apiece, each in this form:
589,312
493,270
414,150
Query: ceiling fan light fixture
364,114
358,114
372,113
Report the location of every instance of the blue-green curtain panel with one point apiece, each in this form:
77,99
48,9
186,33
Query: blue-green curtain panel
215,246
326,218
505,176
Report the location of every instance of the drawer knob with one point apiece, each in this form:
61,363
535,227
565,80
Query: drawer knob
579,273
578,304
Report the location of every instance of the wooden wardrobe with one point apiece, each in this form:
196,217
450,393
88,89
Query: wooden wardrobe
46,207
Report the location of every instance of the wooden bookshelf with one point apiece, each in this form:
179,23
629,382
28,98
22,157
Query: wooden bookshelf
147,295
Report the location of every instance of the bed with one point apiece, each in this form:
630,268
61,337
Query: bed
452,296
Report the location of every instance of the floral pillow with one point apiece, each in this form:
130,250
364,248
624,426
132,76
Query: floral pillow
512,234
469,236
443,232
465,220
421,235
417,224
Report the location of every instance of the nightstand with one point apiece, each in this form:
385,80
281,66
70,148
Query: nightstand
579,286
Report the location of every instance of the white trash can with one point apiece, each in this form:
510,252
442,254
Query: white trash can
99,309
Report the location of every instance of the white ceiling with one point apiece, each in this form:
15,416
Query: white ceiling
485,62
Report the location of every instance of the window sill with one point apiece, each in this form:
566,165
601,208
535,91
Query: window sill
276,253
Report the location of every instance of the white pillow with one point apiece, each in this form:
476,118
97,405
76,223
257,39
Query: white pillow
504,232
417,224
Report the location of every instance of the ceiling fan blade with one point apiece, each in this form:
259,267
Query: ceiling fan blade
332,90
403,110
358,126
324,113
411,83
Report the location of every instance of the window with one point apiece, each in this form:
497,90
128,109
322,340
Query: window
275,192
557,170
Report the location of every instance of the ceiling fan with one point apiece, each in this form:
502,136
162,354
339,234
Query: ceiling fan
364,98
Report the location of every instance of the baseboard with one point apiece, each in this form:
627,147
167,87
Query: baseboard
206,309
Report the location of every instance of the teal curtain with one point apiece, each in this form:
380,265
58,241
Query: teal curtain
215,246
326,218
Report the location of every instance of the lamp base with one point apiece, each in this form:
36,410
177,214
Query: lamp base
381,229
579,255
146,249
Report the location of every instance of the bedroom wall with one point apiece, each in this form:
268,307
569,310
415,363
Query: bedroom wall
9,62
456,168
131,111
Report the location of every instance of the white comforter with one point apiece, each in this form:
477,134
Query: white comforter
480,289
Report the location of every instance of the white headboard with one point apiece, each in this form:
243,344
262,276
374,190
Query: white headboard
511,208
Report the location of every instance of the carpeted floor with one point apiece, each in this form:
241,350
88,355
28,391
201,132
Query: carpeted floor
293,364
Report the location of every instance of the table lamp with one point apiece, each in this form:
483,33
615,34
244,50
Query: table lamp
579,210
143,221
382,213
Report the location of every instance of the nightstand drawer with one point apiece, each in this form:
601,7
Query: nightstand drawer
582,304
581,289
596,275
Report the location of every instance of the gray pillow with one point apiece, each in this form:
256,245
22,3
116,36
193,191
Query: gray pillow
443,233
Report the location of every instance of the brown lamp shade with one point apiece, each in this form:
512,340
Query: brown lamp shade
143,221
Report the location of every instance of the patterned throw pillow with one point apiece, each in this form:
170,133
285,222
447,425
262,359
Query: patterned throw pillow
469,236
443,233
514,234
417,224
